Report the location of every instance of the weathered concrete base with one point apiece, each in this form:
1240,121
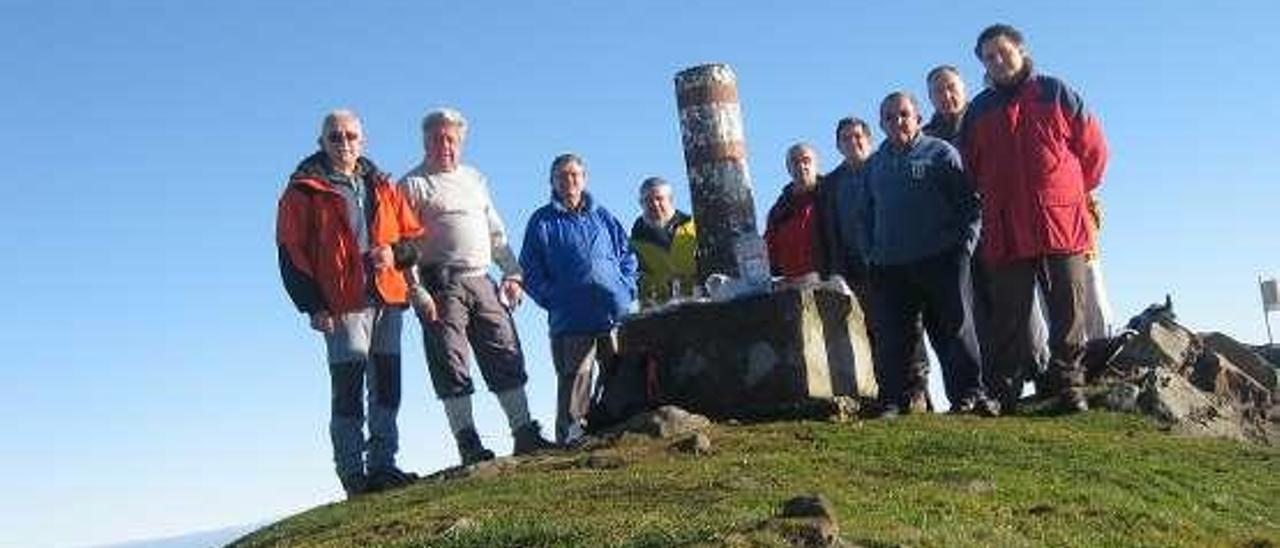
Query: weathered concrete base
732,358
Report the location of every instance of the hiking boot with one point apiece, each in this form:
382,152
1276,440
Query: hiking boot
384,479
1072,401
980,406
888,412
355,485
470,448
528,439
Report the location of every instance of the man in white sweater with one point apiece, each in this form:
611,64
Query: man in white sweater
457,302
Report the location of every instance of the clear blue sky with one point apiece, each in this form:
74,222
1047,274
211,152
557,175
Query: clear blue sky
157,379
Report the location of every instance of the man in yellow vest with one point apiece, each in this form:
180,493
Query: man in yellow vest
664,239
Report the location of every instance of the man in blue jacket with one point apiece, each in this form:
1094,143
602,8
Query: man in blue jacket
920,223
578,266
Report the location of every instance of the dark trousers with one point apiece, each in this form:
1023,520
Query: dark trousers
470,317
937,292
917,375
575,358
1010,289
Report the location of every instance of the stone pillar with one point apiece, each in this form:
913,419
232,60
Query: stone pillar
715,155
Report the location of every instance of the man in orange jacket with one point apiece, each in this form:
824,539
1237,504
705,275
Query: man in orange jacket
342,231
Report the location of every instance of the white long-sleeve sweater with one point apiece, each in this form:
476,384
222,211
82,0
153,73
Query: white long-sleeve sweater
463,230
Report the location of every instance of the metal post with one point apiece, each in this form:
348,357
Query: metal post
716,160
1266,311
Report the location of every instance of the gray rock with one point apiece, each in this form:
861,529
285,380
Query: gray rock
1121,397
1173,400
696,443
807,521
1242,357
664,422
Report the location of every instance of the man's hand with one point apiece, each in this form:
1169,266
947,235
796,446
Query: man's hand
423,305
381,257
512,293
322,322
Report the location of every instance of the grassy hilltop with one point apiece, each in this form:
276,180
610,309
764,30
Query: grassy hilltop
1092,479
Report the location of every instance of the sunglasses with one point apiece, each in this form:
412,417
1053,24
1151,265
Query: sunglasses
336,137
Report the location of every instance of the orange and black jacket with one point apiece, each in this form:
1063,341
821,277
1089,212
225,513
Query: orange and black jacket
320,259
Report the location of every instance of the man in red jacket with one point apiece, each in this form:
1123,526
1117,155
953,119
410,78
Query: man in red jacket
1034,153
343,234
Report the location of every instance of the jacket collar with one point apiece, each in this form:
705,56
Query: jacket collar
662,236
588,204
313,171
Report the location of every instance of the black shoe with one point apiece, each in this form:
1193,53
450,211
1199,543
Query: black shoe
355,485
470,448
1072,401
528,439
385,479
888,412
980,406
966,406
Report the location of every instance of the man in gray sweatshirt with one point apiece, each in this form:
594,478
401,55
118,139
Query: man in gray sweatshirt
458,305
920,223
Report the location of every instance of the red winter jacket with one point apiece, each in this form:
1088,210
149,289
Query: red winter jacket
792,234
320,260
1034,153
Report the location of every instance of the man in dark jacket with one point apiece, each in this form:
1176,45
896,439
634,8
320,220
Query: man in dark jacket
853,140
947,94
919,223
343,233
1034,153
578,266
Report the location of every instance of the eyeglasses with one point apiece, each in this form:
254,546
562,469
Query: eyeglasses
336,137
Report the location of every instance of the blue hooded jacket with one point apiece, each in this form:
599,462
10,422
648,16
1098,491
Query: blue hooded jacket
578,266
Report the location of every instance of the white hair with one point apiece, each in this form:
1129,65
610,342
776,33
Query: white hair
444,117
335,115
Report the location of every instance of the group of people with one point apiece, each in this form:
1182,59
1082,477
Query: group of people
357,249
956,228
1010,175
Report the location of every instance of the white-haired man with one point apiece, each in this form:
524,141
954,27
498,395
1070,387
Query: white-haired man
665,240
343,231
466,310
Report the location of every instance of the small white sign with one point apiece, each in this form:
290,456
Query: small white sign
1270,295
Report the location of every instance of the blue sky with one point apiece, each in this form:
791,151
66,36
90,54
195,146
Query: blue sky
160,382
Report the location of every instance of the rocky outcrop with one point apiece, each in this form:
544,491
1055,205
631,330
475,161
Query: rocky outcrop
1199,384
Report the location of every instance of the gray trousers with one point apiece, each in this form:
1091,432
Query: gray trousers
574,357
364,350
1011,290
471,321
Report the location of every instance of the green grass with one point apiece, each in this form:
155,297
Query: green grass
1097,479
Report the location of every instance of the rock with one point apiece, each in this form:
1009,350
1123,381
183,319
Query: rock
1159,343
807,521
1185,409
808,506
1121,397
664,422
1242,357
457,526
696,443
1214,373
